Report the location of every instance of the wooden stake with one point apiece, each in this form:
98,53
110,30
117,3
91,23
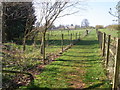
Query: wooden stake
97,31
108,46
62,42
79,35
117,65
103,44
86,32
76,36
101,39
71,38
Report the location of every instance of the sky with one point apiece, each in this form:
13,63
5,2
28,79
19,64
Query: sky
96,11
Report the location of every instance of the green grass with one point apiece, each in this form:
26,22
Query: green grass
54,47
79,67
114,33
28,61
55,39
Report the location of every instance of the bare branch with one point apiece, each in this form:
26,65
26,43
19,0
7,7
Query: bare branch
68,14
110,12
113,14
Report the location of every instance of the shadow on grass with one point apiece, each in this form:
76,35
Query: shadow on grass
51,42
58,42
68,63
95,87
85,60
87,42
86,52
39,88
91,56
34,87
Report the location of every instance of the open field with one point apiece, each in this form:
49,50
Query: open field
114,33
60,45
79,67
30,60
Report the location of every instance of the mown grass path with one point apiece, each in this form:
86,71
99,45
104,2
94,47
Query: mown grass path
79,67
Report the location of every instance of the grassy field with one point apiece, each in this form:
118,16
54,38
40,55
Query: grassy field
33,52
114,33
17,60
55,39
79,67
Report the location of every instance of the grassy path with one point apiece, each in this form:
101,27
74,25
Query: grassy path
79,67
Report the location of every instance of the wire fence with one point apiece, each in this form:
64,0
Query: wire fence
19,67
110,47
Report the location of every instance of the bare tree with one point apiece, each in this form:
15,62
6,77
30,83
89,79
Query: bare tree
84,23
114,14
117,13
49,11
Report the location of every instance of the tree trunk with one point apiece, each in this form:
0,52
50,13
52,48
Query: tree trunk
34,41
24,43
41,47
42,51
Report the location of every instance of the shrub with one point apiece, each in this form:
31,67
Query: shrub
99,26
113,27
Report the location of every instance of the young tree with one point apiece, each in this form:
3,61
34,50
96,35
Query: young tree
49,11
84,23
99,26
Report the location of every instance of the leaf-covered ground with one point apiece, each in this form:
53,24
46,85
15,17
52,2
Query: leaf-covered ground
79,67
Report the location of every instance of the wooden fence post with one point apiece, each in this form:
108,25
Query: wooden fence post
97,31
100,37
79,35
68,32
71,39
76,36
62,43
103,44
108,47
117,65
86,32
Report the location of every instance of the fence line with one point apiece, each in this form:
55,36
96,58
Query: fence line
72,42
73,38
111,51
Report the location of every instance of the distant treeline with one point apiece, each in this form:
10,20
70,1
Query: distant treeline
111,27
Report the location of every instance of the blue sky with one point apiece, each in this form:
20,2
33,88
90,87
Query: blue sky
96,12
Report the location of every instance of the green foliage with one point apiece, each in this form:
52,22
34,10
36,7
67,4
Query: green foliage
113,27
99,26
114,33
18,17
